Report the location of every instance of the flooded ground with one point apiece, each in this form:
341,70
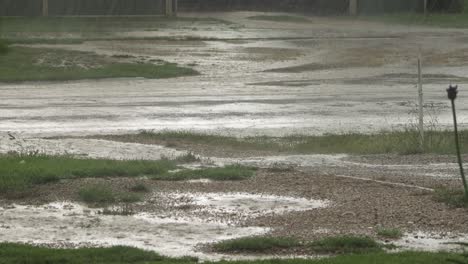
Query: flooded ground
257,78
328,75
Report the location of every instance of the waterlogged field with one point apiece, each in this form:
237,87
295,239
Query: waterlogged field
233,137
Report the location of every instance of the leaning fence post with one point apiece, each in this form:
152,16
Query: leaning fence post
45,8
452,92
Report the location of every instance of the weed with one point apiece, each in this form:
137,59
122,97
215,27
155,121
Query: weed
188,158
97,195
3,47
256,244
453,198
390,233
345,245
140,188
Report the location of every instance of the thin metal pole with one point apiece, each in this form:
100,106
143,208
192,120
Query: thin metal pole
457,145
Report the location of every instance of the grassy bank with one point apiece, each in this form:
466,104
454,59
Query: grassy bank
34,64
445,20
98,24
14,253
19,173
405,142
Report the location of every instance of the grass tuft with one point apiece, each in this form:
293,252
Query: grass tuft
345,245
453,198
256,244
227,173
389,233
3,47
97,194
140,188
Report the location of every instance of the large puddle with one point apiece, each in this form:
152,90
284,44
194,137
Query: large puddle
200,218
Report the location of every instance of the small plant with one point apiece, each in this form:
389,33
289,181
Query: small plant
345,245
453,198
188,158
256,244
3,47
390,233
140,188
97,194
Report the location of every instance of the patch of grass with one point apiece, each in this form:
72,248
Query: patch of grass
256,244
345,245
140,188
280,18
97,194
397,142
453,198
16,253
99,24
188,158
390,233
102,195
3,47
227,173
18,173
445,20
39,64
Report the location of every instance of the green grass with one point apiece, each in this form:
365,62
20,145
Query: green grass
37,64
18,173
389,233
445,20
227,173
280,18
404,142
451,197
345,245
140,188
100,24
256,244
98,194
3,47
15,253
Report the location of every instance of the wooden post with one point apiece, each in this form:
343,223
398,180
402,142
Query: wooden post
421,103
45,8
425,7
169,8
175,6
353,7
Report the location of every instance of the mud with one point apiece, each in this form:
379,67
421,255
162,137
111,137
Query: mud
70,224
